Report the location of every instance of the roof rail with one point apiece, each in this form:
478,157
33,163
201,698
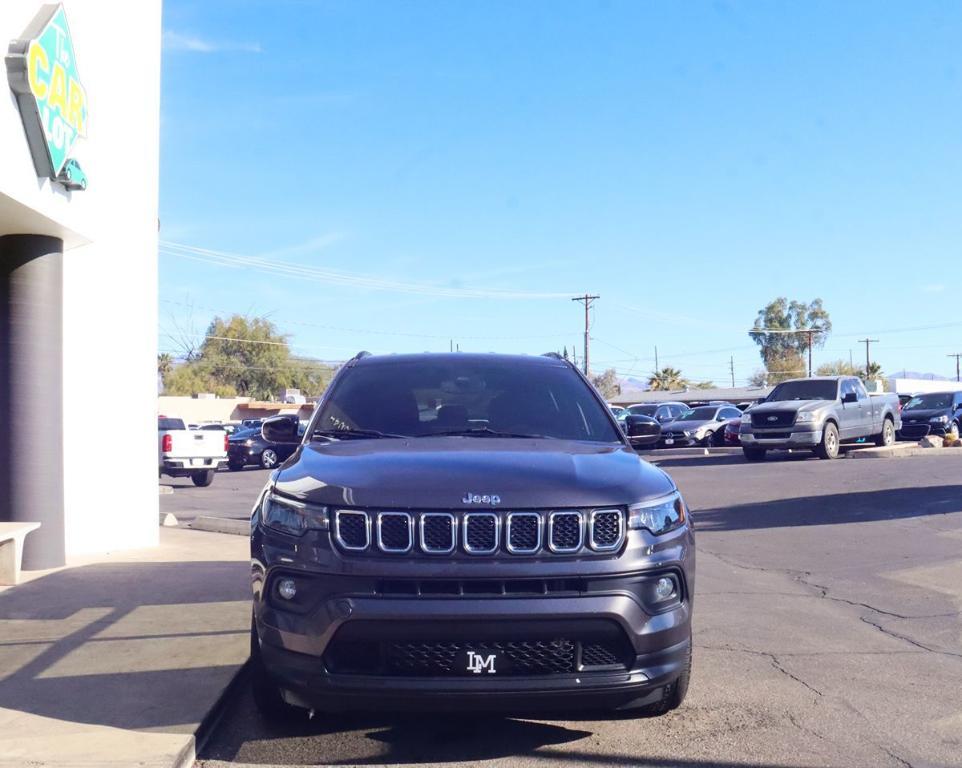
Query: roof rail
359,356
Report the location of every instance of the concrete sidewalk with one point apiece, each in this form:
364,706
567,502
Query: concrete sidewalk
115,661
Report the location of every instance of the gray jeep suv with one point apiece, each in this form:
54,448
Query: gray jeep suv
472,531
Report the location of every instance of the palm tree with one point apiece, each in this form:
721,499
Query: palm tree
872,372
165,363
666,379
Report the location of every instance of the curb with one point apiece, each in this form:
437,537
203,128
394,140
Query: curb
898,452
165,490
206,727
222,525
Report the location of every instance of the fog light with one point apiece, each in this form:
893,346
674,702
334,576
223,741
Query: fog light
664,588
287,589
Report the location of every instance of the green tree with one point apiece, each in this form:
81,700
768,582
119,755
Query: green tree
667,379
705,385
781,350
872,373
246,357
607,384
837,368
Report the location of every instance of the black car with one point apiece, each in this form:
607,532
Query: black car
642,431
468,531
249,446
932,413
662,412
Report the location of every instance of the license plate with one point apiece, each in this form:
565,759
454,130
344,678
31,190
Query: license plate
669,441
482,662
197,462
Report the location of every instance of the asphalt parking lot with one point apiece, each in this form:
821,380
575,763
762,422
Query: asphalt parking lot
827,632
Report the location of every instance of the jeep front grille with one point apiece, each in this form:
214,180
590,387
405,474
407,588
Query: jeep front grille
565,532
523,533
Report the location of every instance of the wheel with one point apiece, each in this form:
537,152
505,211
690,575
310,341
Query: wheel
235,466
267,696
203,478
953,431
754,454
887,436
674,693
269,458
708,439
828,448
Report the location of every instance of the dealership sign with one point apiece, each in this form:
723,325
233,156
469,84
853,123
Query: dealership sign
42,71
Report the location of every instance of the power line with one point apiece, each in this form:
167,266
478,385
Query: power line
956,355
317,274
868,360
587,300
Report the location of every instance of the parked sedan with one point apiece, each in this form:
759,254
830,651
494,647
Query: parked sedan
701,426
932,413
249,447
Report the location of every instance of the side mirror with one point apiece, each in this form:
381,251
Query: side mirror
850,397
636,425
280,429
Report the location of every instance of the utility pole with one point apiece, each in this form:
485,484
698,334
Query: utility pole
588,300
731,367
957,355
656,358
868,359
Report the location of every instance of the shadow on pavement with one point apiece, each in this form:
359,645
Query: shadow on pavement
127,645
858,507
415,739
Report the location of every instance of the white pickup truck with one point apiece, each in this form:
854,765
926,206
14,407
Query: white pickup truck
183,452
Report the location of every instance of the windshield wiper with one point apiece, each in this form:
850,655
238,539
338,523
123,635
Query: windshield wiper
483,432
342,434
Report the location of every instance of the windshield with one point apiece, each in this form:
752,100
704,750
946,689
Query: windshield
643,410
812,389
930,401
700,414
431,397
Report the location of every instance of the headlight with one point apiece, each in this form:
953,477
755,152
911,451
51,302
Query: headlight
939,420
293,517
658,515
804,416
248,443
686,433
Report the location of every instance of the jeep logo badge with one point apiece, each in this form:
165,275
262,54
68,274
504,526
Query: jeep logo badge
477,498
478,663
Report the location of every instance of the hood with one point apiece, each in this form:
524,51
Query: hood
788,405
437,473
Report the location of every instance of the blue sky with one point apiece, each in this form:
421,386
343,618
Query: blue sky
479,161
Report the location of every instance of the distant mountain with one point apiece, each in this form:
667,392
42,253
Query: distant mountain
917,375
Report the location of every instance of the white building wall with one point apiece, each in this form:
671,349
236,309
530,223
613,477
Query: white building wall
110,283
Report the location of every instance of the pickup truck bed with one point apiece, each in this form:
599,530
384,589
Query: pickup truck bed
189,453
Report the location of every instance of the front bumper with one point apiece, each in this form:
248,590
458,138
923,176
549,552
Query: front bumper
795,436
644,441
918,431
344,594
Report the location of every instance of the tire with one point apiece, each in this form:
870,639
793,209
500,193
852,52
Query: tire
887,436
708,439
674,693
267,696
269,458
953,431
754,454
202,479
828,448
235,466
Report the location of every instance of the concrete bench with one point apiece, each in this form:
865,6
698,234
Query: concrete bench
11,550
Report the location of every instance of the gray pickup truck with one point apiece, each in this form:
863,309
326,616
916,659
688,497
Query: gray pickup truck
818,414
